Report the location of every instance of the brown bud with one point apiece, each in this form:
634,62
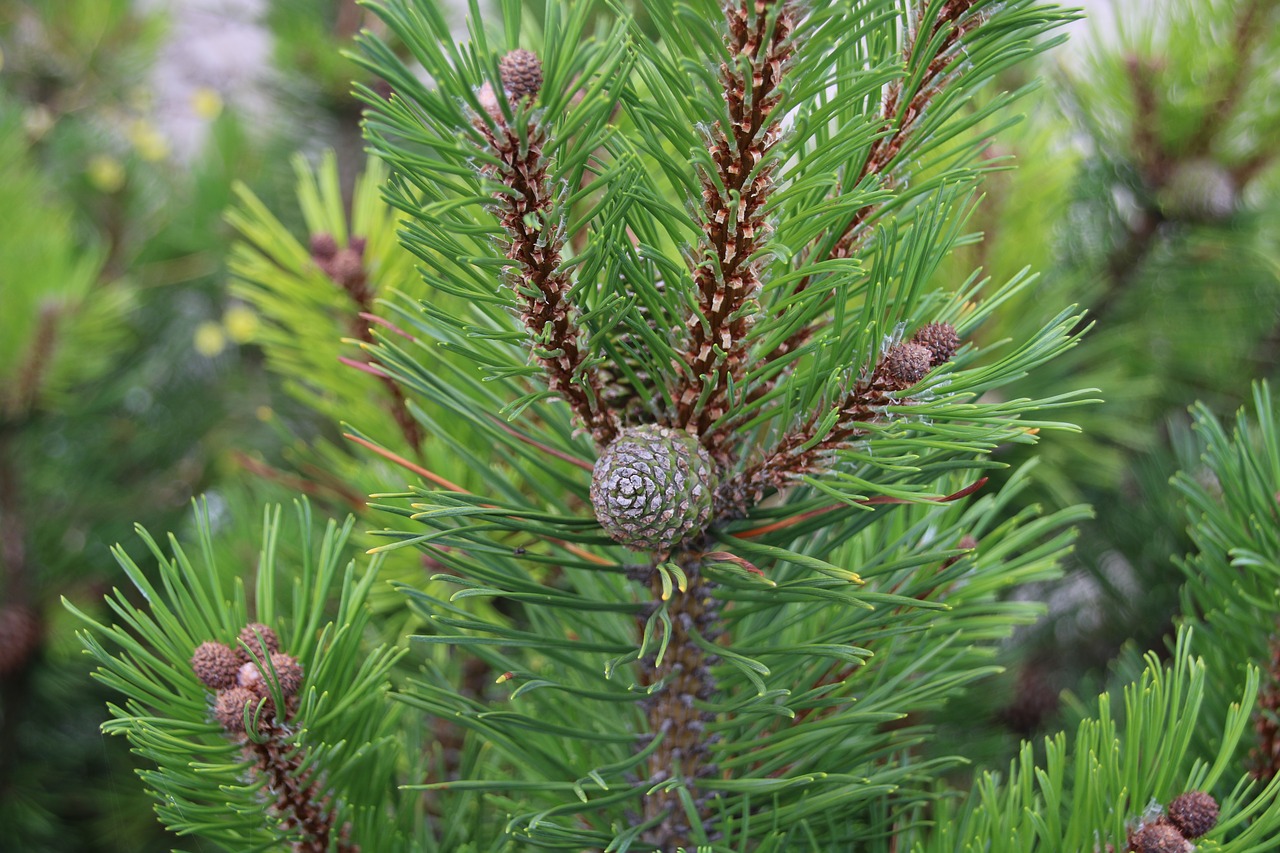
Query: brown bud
347,268
906,364
521,74
215,664
323,246
230,706
1194,813
940,339
260,639
1159,836
289,673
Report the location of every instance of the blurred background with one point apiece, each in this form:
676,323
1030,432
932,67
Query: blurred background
140,366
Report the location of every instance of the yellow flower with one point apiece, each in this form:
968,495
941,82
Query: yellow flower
206,102
209,339
241,323
105,173
148,140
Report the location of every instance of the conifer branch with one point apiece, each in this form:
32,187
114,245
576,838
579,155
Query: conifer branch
733,203
298,801
256,701
1247,31
535,241
345,267
1265,754
804,451
902,111
900,114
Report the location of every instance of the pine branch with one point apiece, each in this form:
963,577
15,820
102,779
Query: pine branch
681,681
1265,753
900,114
345,267
1248,30
807,450
535,241
733,201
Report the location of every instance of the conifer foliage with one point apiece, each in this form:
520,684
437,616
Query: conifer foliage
733,544
699,270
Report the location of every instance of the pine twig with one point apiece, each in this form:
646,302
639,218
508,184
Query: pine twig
901,120
1264,758
684,754
345,267
733,205
534,246
802,451
256,702
1247,30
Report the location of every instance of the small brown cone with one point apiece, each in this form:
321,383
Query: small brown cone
229,707
521,74
1194,813
215,664
323,246
940,339
289,673
255,635
1159,836
906,364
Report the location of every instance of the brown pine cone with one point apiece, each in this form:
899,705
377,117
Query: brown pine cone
521,74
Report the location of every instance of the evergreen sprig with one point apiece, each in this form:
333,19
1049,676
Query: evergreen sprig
327,763
637,255
1119,772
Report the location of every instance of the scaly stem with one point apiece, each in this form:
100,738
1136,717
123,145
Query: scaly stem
297,799
673,713
534,247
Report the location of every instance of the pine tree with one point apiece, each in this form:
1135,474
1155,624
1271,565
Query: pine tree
728,544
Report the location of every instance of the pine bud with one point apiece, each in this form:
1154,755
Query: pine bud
215,664
940,339
488,100
260,639
323,246
230,705
288,672
907,363
1159,836
1194,813
652,487
346,268
250,678
521,74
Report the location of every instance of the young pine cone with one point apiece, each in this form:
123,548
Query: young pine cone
521,74
652,487
1194,813
1159,837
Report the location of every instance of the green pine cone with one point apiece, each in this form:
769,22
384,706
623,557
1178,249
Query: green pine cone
652,487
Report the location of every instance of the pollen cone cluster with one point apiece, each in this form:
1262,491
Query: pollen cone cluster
239,682
652,487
